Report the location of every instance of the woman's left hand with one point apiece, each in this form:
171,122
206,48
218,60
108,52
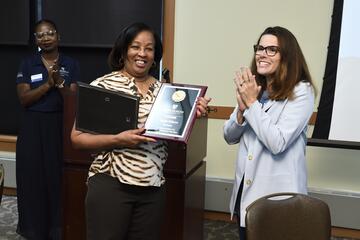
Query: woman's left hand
55,71
248,87
202,106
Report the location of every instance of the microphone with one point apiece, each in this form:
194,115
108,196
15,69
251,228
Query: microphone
166,75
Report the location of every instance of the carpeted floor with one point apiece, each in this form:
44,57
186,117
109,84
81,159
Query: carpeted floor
216,230
8,219
213,230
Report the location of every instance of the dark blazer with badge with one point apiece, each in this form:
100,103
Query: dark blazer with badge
33,72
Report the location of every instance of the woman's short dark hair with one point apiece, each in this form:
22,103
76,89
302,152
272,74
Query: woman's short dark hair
292,68
119,51
47,21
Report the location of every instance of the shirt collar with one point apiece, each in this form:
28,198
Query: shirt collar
38,60
264,97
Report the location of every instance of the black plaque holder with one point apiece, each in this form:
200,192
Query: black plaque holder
103,111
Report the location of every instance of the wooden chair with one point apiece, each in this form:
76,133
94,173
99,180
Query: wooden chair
1,180
288,216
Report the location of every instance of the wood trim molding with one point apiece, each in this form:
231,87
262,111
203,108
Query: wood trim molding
168,36
222,112
312,120
8,143
8,138
9,191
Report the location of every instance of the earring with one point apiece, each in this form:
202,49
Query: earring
153,65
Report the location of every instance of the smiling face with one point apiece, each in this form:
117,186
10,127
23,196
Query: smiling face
267,65
140,55
46,37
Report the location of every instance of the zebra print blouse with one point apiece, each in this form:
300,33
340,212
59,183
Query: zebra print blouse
143,165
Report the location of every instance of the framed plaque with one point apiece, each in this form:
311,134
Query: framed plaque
174,111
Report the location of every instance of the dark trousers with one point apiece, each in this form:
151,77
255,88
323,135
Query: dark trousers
242,230
38,175
120,211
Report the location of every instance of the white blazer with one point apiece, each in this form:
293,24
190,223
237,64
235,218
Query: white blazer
272,141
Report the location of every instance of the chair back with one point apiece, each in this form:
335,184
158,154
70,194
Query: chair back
1,180
288,216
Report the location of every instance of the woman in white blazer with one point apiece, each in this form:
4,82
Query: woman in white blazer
275,99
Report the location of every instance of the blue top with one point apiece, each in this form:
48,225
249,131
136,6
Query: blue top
264,98
33,71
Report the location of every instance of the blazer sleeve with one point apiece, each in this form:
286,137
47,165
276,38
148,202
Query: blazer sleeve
278,136
232,129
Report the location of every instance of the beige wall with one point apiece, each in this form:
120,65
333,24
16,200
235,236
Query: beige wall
213,38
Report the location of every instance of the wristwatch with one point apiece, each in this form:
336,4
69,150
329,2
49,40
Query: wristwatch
60,85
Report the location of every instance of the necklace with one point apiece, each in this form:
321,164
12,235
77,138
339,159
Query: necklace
47,64
135,79
142,85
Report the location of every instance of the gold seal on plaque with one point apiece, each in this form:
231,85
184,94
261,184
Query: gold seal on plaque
178,96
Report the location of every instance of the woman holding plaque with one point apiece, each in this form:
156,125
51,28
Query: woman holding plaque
41,80
125,197
275,99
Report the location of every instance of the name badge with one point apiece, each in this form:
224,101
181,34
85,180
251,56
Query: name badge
19,75
63,72
36,77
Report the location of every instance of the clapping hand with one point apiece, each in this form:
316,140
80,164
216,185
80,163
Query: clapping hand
247,89
55,71
54,75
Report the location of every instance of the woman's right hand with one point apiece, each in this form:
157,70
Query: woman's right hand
51,72
238,83
99,142
132,138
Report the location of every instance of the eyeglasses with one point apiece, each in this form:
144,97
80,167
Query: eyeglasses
269,50
41,35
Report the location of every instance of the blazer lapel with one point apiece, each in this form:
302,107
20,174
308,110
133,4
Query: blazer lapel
274,108
268,105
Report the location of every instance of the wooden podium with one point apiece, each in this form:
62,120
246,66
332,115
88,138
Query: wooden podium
185,183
